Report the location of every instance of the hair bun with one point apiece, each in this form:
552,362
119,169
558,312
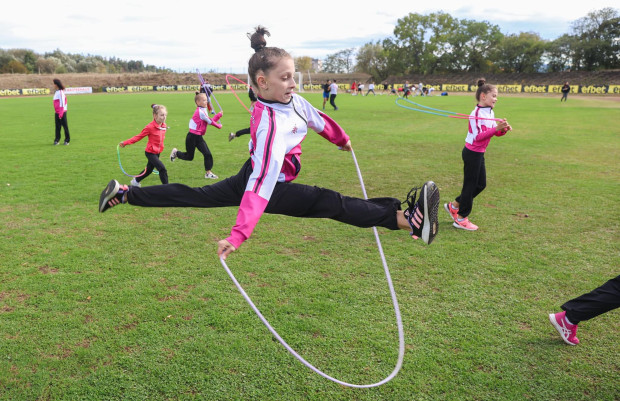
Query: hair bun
257,39
482,81
153,105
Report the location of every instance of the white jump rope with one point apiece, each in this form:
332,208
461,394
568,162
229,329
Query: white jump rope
401,339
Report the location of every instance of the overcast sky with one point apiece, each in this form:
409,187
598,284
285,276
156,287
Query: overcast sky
211,35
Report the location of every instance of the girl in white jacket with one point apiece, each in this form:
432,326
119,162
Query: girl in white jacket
279,123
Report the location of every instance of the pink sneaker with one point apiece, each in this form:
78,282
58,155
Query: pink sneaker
451,210
464,224
567,331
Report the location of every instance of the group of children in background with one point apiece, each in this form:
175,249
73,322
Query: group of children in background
279,122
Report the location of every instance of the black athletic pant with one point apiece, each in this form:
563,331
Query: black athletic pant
474,180
244,131
288,199
193,142
154,162
601,300
61,122
332,101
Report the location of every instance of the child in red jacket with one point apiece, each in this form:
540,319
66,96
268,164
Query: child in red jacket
156,131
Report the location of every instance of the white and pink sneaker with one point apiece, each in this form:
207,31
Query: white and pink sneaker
452,211
464,224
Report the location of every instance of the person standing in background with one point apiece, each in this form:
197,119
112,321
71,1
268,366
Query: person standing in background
333,92
325,87
60,112
371,88
565,89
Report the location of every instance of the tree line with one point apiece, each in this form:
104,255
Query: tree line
435,43
24,61
439,43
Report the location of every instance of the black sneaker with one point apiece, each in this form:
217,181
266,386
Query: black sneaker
422,214
112,195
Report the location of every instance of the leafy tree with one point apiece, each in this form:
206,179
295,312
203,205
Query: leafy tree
520,53
373,60
598,44
559,53
5,58
439,42
46,65
303,63
448,41
27,57
14,67
481,39
406,51
339,62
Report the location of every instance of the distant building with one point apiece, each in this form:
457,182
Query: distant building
317,65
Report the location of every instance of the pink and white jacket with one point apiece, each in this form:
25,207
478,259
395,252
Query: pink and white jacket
482,128
200,119
277,131
60,103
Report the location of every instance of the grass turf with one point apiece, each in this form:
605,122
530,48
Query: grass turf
133,304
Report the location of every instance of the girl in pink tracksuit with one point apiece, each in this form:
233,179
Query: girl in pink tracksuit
195,137
482,127
278,125
60,112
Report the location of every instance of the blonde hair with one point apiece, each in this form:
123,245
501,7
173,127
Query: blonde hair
199,94
157,107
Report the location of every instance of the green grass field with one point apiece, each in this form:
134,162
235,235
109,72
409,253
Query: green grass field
133,304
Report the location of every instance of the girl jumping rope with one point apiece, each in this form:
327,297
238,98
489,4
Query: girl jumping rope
156,131
195,137
279,123
482,127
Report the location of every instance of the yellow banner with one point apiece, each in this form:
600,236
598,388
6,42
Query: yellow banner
142,88
614,89
10,92
598,90
36,91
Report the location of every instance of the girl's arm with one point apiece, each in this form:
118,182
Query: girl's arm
485,132
59,108
324,125
268,158
145,131
204,116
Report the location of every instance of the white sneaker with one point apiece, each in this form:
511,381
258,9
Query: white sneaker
135,183
211,175
231,136
173,154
